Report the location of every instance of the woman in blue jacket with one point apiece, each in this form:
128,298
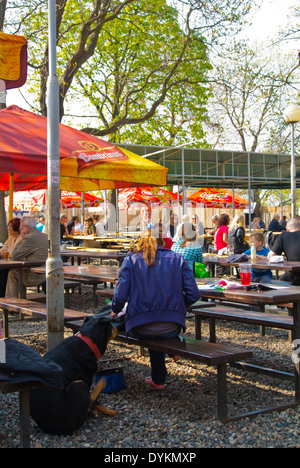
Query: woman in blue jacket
158,286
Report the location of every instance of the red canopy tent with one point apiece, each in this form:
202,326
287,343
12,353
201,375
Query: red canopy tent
165,196
73,199
35,200
147,195
136,195
213,198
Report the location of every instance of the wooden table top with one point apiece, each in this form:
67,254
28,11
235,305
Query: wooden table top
101,253
264,264
277,295
103,273
7,264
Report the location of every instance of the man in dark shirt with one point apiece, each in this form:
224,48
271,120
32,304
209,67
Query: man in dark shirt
274,225
288,244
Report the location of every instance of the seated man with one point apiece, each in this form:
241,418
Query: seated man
287,244
274,225
259,275
32,247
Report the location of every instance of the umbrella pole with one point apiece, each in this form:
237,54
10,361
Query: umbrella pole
11,196
54,266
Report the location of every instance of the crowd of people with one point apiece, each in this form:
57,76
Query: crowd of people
163,260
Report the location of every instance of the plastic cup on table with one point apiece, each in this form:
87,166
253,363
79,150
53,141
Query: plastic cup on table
245,273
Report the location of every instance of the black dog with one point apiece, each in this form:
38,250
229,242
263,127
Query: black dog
62,412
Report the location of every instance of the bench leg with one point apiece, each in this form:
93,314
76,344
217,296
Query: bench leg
67,298
222,392
197,327
212,330
5,323
24,418
95,295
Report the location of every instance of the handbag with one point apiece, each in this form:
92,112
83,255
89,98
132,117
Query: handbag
114,379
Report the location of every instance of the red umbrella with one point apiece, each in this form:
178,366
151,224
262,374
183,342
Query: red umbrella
163,194
213,198
138,194
73,199
35,200
86,162
32,200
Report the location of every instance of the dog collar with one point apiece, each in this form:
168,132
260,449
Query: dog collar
90,344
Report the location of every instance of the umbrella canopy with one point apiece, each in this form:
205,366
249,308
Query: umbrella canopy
73,199
213,198
138,194
165,196
86,162
32,200
35,200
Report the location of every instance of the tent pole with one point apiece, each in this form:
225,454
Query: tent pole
82,208
183,184
54,266
11,196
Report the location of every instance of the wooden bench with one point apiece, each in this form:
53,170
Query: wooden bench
210,354
41,297
24,389
15,305
106,292
263,319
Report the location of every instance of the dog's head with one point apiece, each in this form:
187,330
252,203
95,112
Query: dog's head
100,330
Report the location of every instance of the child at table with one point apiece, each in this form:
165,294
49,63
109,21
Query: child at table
259,275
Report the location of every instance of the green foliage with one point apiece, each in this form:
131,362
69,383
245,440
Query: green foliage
145,62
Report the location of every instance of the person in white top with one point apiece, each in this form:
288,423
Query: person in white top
78,227
8,247
100,231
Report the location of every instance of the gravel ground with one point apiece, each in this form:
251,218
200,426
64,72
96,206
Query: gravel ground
183,415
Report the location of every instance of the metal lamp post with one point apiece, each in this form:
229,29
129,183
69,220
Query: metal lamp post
292,115
54,266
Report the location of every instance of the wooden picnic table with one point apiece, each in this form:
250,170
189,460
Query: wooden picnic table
87,272
263,263
89,254
94,241
275,296
19,264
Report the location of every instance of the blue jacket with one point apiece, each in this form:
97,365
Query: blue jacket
157,293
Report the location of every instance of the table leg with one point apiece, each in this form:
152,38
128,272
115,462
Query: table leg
296,314
222,392
21,283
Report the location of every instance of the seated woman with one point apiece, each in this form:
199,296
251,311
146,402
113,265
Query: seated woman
221,234
187,246
237,236
158,286
9,245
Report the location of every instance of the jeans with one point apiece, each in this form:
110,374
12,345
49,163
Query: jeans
157,358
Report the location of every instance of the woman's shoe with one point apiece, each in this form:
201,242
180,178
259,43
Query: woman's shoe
176,358
150,382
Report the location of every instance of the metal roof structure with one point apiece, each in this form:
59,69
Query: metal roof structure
221,168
